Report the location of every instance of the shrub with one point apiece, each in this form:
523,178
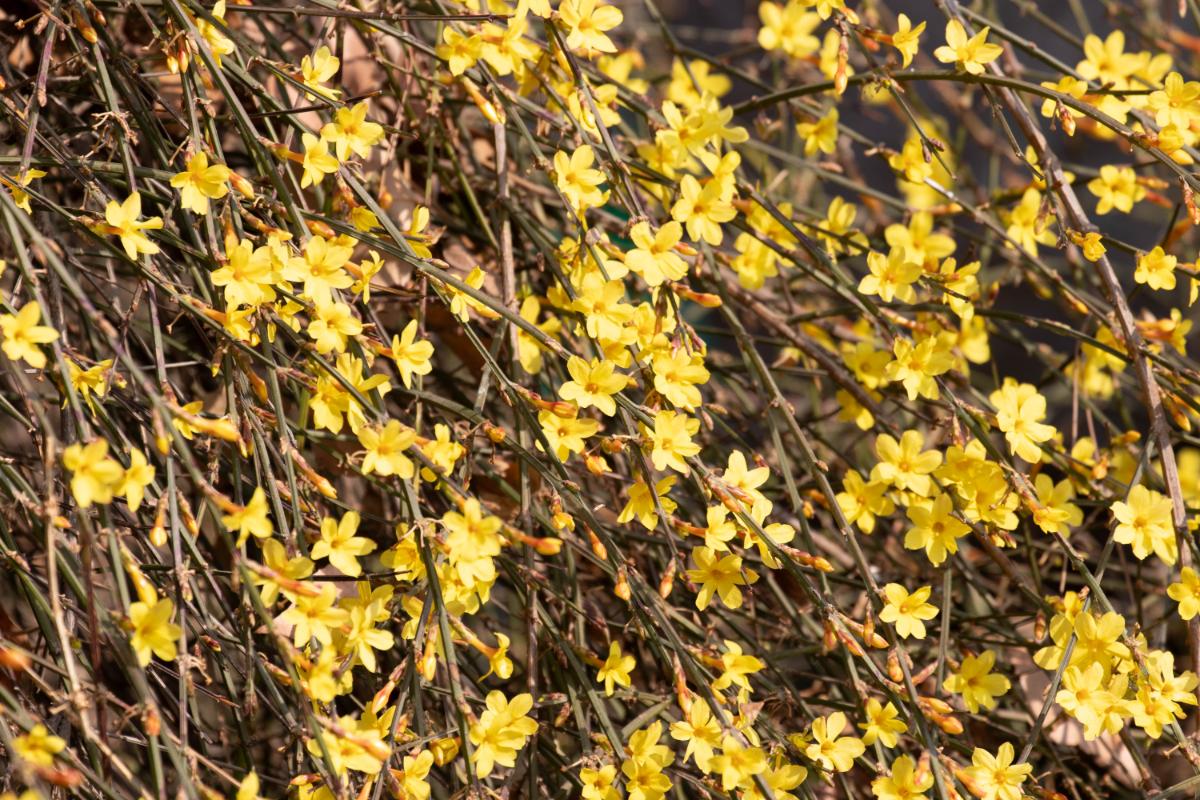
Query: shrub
467,401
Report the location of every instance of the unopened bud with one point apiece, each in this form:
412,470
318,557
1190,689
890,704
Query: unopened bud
598,548
158,533
548,546
621,589
241,185
320,228
14,659
151,721
667,583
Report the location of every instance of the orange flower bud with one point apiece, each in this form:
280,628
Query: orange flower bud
14,659
667,583
622,589
241,185
598,548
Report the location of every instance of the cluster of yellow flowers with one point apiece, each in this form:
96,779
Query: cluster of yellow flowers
441,569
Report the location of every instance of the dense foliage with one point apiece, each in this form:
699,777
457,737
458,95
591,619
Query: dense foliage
531,401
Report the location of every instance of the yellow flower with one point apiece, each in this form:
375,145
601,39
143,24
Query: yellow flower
916,365
1020,409
1116,187
672,440
360,747
321,268
903,464
903,782
39,746
153,631
317,162
910,161
737,765
352,133
416,236
598,783
276,559
1092,245
412,357
17,188
654,257
640,505
458,50
201,182
250,519
691,81
861,502
1106,60
700,730
385,448
616,669
461,303
1054,510
829,748
883,723
247,276
1144,521
123,219
21,333
566,435
94,476
1186,593
976,682
592,384
363,638
136,478
907,38
1027,225
335,323
935,528
908,612
339,544
736,667
91,381
820,135
788,28
995,777
969,54
702,210
892,276
1083,695
1176,103
721,575
507,48
600,302
1156,269
412,778
577,180
499,663
676,375
248,788
315,616
587,23
218,42
318,68
471,534
826,7
442,451
501,731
